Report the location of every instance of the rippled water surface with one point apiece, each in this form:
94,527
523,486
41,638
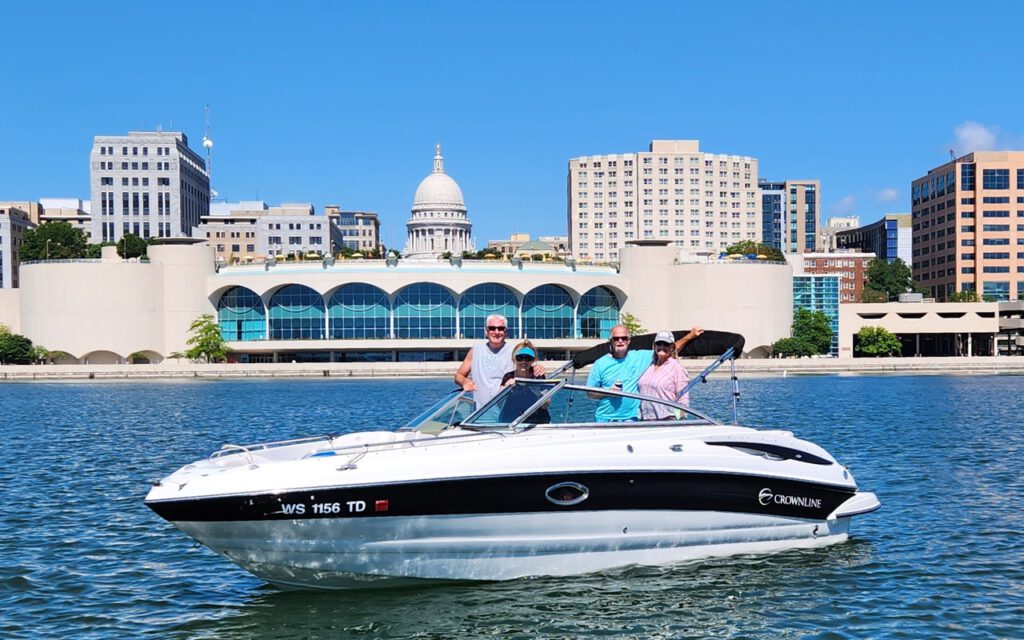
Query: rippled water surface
81,556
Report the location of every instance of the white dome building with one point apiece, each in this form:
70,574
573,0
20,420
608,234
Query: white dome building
439,222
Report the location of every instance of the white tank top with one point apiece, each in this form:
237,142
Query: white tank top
489,367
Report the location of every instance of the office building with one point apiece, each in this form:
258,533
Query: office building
148,183
889,238
968,226
789,214
699,202
251,230
851,267
819,292
520,244
14,222
439,223
827,234
74,211
356,230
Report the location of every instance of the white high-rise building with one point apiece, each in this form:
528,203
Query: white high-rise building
701,202
148,183
439,222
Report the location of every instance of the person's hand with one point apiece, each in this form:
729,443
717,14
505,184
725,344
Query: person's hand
509,382
695,331
538,370
469,385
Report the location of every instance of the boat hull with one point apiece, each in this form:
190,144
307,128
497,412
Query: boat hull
330,553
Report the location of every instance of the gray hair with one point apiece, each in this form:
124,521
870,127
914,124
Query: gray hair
495,317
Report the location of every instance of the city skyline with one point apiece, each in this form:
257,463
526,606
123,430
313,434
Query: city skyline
346,105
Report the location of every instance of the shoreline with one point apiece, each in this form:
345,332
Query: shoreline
982,365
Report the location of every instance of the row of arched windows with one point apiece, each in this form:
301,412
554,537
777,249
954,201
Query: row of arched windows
421,310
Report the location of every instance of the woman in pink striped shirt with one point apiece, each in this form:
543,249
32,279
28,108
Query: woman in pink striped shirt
665,378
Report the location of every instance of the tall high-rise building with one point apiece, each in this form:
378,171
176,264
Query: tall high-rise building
439,223
789,214
702,202
889,238
14,222
148,183
968,226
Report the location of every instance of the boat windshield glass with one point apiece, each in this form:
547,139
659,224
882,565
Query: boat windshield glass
564,404
446,412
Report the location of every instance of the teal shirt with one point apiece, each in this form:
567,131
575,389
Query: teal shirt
606,371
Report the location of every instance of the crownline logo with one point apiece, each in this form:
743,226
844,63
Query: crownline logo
766,497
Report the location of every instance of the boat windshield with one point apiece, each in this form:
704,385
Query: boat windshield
446,412
550,402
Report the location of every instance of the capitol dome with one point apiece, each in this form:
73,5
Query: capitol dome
439,223
438,190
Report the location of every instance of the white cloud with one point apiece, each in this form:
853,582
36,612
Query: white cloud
844,206
974,136
887,195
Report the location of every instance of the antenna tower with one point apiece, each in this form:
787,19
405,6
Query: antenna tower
208,145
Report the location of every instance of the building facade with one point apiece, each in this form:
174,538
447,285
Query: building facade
557,246
888,239
439,223
819,293
386,309
148,183
924,328
803,208
968,226
76,212
851,267
699,202
356,230
827,236
773,206
251,230
14,222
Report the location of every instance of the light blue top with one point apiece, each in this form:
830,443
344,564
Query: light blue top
606,371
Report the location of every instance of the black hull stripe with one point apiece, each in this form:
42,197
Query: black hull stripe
608,491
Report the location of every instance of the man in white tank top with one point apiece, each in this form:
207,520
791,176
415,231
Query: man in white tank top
486,364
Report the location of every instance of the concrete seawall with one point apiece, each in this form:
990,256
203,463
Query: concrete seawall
752,367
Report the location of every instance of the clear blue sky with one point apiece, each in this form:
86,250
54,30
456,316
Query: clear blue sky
335,103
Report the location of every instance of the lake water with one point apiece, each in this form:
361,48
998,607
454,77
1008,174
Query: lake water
82,557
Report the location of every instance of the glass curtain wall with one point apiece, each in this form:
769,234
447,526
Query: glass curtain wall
598,313
548,313
424,310
297,313
359,311
483,300
241,316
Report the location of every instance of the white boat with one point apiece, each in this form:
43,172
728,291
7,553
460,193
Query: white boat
460,494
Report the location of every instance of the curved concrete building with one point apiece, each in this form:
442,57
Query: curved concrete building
102,311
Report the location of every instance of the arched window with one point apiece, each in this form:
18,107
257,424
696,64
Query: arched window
547,313
297,313
359,310
598,313
424,310
483,300
241,315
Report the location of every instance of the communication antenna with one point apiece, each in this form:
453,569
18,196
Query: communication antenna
208,145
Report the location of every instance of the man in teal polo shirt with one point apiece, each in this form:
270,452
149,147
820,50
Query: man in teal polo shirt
621,369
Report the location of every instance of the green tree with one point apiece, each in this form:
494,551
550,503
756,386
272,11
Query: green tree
95,251
811,334
632,324
967,295
876,342
53,241
205,341
749,247
873,295
131,246
15,349
890,278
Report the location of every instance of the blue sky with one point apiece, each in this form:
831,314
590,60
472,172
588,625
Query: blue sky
338,103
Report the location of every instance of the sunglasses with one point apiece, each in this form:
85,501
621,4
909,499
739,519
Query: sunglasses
662,345
524,358
497,328
620,338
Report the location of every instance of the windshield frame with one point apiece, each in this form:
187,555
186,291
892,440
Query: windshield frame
559,385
